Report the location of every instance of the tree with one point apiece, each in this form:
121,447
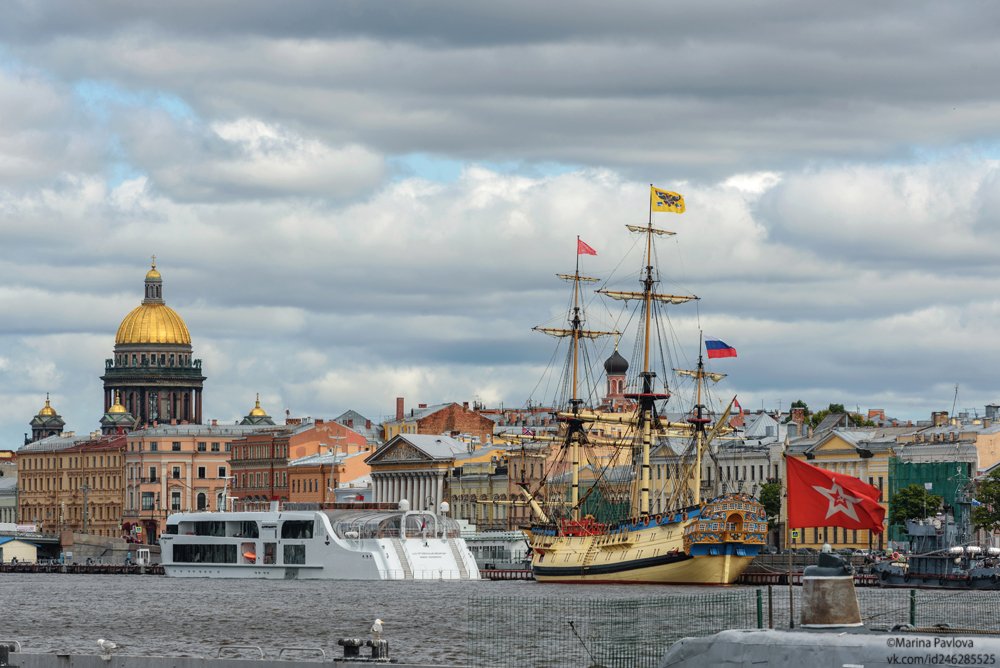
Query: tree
770,498
911,503
987,514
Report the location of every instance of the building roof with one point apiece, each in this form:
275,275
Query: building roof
438,446
234,430
53,443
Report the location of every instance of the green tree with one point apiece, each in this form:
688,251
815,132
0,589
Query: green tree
987,515
855,419
911,503
770,498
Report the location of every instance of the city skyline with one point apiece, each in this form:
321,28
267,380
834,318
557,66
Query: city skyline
349,204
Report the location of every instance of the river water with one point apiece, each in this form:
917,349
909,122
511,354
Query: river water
447,623
154,615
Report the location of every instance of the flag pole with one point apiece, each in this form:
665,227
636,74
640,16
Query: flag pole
650,204
788,546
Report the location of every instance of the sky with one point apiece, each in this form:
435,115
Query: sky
355,201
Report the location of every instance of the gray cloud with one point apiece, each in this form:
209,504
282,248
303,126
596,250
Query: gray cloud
839,167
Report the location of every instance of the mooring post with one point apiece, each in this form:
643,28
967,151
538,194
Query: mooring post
760,608
913,607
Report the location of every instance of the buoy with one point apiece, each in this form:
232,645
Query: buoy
251,556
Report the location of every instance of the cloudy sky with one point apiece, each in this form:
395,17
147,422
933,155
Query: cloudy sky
353,201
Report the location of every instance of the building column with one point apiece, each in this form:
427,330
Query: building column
438,490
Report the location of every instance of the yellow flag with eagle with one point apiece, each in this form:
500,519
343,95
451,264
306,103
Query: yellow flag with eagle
664,200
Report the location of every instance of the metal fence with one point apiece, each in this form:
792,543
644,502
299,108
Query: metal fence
555,632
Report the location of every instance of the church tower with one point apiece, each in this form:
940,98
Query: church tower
257,415
152,374
615,368
46,423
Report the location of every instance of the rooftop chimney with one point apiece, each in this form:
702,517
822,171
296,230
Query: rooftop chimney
399,408
798,415
465,405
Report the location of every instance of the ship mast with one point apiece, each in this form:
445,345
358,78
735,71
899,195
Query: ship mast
646,396
576,435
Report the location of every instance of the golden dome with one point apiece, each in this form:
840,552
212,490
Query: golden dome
257,411
117,407
47,409
153,323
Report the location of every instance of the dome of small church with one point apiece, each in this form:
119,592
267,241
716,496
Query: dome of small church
153,321
47,410
257,411
616,365
117,407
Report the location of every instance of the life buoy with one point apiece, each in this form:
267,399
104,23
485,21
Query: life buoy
658,518
684,517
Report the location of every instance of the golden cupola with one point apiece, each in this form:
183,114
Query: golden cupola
47,410
257,411
153,321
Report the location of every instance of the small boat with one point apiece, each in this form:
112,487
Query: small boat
340,542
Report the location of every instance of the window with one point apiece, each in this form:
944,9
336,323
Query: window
152,474
175,500
153,446
175,473
201,471
202,501
147,500
229,447
215,446
222,471
202,446
175,446
295,554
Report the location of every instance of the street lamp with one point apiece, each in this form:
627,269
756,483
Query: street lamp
84,488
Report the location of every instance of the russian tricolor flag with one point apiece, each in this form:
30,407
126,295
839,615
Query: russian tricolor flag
717,348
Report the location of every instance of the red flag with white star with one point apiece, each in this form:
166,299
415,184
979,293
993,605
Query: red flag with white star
821,498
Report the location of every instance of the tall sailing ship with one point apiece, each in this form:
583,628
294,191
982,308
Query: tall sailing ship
685,540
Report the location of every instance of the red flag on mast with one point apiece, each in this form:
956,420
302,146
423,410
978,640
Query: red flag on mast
821,498
583,249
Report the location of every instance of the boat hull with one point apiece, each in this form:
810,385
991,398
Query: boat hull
710,545
684,570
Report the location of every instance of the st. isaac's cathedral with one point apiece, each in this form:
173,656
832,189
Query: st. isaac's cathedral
152,377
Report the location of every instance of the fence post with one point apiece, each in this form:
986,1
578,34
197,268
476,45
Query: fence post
760,609
770,606
913,607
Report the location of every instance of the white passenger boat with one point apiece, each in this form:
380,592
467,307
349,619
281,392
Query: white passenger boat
338,544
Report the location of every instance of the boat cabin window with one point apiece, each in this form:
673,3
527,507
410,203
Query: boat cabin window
297,529
247,530
295,554
171,529
207,554
209,528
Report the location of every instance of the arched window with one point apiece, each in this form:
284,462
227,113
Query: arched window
202,500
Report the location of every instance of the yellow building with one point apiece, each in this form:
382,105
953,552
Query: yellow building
66,483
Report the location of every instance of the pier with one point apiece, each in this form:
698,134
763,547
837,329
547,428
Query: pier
83,569
506,574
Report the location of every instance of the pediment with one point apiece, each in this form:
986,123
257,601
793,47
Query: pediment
833,444
399,451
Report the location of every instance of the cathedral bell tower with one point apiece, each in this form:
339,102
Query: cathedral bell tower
152,374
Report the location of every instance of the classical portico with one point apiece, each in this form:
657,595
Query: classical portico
414,467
